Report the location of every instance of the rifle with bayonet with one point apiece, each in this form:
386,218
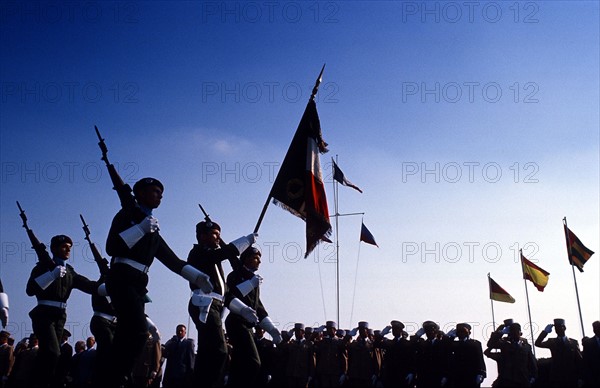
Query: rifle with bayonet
123,189
39,247
100,261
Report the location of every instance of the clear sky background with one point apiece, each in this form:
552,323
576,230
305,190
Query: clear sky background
473,129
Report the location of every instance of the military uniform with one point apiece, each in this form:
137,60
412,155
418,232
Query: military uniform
398,359
591,358
466,362
49,316
567,361
331,359
7,358
517,365
266,353
300,366
432,356
212,350
362,365
128,277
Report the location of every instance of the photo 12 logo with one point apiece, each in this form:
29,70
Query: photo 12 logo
468,172
325,12
469,12
469,91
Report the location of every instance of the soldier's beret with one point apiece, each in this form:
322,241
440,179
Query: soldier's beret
145,182
249,252
515,324
559,322
430,324
363,324
330,324
308,330
508,322
59,240
204,227
465,325
298,326
370,331
376,332
397,324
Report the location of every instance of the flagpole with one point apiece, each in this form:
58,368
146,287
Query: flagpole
492,302
528,308
312,97
337,245
574,278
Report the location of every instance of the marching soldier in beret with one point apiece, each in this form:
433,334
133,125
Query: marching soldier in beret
51,282
467,367
591,358
133,242
246,311
206,309
331,358
399,356
567,361
518,367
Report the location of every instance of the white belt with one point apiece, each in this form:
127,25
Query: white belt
213,295
105,316
52,303
133,264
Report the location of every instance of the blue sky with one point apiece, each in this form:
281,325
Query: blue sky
472,131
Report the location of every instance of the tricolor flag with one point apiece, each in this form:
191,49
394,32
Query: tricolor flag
366,236
578,253
298,187
535,274
338,175
498,293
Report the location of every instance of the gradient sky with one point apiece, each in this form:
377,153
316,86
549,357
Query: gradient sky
472,129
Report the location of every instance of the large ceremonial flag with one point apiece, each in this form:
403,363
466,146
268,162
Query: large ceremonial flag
535,274
578,253
338,175
298,187
367,236
498,293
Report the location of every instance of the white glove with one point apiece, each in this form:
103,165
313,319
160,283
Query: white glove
153,329
353,332
479,379
197,277
134,234
242,243
320,329
343,378
249,285
386,330
236,306
45,279
548,328
452,333
267,325
420,332
203,303
409,378
4,308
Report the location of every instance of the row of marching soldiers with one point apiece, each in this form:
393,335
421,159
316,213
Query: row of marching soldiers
326,357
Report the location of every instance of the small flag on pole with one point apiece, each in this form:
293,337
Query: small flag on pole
498,293
578,253
535,274
366,236
338,175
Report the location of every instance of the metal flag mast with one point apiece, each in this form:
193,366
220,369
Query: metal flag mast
528,309
573,269
491,301
336,215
